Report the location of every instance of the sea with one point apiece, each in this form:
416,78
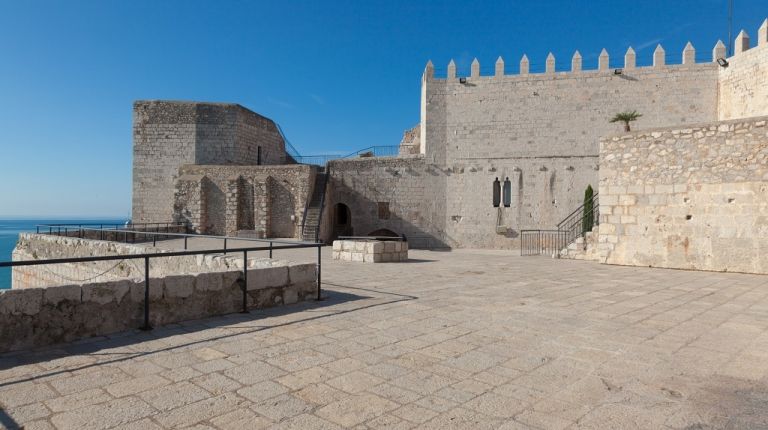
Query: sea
9,234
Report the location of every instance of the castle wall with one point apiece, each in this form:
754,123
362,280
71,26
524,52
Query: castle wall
399,194
542,131
169,134
263,198
544,190
559,114
164,138
690,198
743,85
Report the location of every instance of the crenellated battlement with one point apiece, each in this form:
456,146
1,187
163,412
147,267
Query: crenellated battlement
688,59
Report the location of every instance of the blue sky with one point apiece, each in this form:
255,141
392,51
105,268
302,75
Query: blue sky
337,75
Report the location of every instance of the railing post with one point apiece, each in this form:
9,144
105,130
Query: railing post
146,325
270,249
154,240
319,271
185,243
225,246
245,282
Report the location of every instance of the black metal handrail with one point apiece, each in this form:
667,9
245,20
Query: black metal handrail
322,205
578,212
111,226
371,151
165,235
577,224
147,256
382,238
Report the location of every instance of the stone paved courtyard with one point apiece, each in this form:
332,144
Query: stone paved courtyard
463,339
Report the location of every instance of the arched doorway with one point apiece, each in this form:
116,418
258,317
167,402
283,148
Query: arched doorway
383,232
342,220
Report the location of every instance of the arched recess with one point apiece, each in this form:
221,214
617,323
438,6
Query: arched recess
342,220
383,232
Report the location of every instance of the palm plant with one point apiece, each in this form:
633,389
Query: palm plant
626,117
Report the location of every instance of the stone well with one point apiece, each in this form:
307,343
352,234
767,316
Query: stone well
370,251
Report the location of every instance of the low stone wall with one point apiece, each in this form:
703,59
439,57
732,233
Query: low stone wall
32,246
33,317
690,198
370,251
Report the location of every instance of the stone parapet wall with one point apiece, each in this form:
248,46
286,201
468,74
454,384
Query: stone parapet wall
691,198
370,251
743,85
557,114
42,247
34,317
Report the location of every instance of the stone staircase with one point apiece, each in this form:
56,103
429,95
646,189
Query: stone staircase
311,225
584,248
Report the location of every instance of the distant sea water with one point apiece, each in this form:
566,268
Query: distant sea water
9,234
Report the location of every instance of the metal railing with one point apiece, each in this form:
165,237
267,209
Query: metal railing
322,205
382,151
130,236
550,242
581,221
371,151
382,238
541,242
148,256
156,226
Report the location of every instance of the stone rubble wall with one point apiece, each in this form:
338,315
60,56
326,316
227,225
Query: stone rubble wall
42,247
689,198
35,317
370,251
55,303
411,142
223,200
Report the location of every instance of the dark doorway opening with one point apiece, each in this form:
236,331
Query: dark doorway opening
342,220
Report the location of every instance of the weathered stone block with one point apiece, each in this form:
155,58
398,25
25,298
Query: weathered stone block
25,301
178,286
267,277
108,292
211,281
299,273
375,247
52,296
290,295
137,290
